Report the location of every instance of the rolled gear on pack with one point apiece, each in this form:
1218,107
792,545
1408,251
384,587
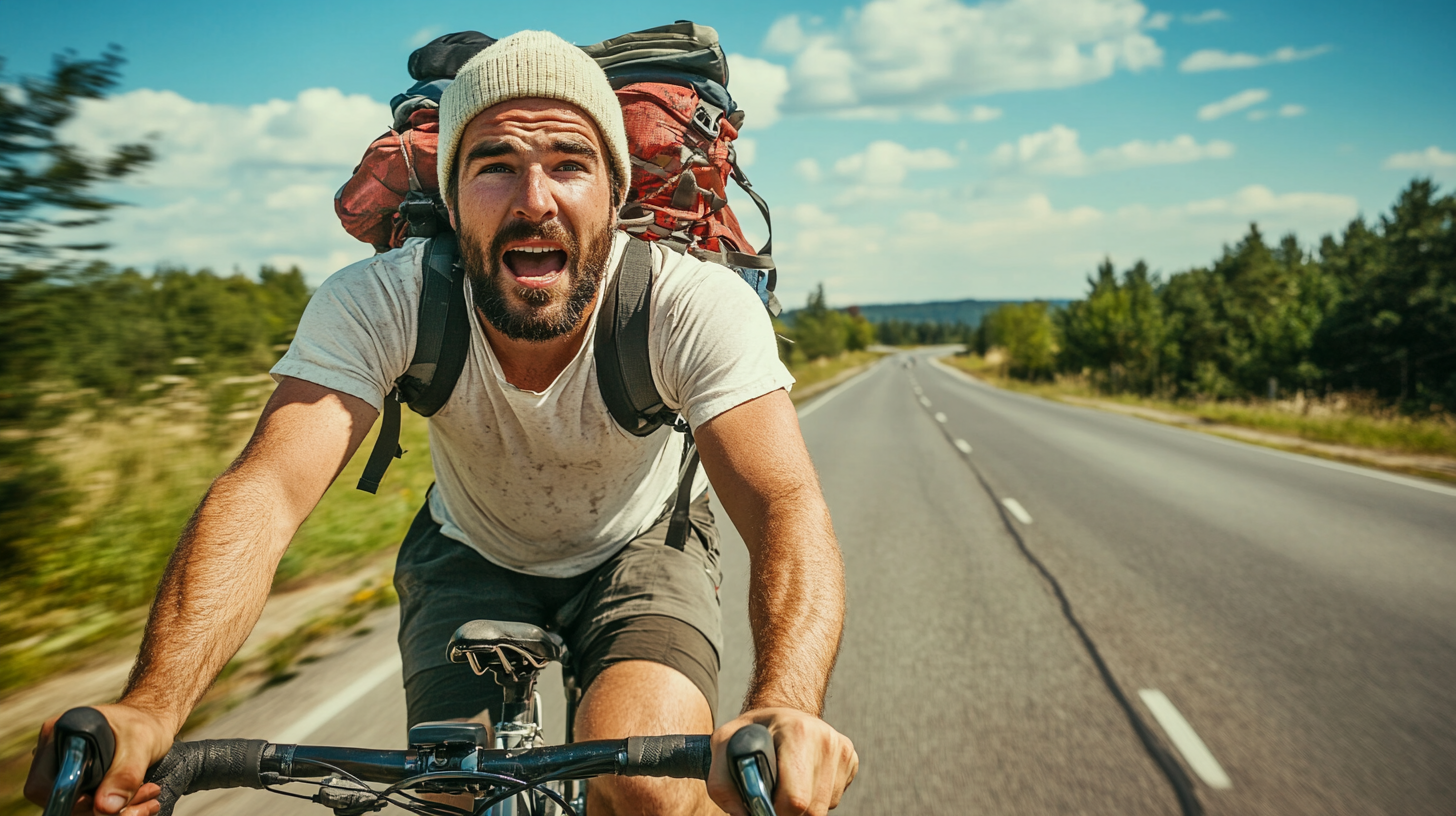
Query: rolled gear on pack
681,123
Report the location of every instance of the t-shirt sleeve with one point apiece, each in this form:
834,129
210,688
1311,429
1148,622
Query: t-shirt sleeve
712,343
358,332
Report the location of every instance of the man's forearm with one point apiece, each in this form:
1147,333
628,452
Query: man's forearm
795,604
210,596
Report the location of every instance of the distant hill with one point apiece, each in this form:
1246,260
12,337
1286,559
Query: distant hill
968,312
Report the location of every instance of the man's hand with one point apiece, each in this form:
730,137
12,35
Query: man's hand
816,763
141,740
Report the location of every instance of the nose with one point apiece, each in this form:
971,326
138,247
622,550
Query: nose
535,199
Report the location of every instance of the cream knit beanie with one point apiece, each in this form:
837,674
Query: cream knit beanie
532,64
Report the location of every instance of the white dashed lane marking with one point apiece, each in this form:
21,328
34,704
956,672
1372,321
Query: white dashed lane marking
963,446
1185,739
1017,510
939,417
925,402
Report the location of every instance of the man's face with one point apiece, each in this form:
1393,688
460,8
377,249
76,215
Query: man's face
534,211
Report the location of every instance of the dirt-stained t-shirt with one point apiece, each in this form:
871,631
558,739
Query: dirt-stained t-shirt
546,483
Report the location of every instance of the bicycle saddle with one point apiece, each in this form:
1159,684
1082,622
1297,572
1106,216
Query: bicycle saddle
516,648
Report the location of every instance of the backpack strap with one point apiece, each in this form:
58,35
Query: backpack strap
624,372
442,342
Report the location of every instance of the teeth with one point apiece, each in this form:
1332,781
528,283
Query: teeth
536,250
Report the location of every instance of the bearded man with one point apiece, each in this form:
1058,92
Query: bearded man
544,510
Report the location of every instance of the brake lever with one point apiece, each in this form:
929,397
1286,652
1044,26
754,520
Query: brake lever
85,746
754,767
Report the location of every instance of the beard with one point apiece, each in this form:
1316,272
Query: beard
537,315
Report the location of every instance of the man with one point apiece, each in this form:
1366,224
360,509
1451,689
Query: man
544,510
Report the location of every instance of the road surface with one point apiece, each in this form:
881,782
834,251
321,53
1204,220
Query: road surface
1044,599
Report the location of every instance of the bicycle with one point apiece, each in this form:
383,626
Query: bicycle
513,777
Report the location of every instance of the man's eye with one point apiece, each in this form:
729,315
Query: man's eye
571,167
495,168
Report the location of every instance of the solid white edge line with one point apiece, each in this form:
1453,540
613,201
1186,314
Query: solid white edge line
334,706
1355,470
963,446
1017,510
1185,739
835,391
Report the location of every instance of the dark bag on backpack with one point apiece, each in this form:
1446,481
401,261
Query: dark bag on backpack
681,124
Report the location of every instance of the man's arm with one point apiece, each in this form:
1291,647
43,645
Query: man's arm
218,578
755,456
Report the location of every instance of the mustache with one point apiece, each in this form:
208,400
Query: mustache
519,230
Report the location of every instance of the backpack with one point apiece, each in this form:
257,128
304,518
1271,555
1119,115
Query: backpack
681,123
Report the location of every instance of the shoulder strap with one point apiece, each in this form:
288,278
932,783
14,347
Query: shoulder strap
624,369
442,342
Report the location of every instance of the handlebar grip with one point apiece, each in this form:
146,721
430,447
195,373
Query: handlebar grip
679,756
206,765
90,725
754,766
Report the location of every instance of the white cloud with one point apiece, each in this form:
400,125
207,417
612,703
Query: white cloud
1288,111
983,113
1432,158
809,170
785,36
234,186
1210,16
424,35
1025,245
1159,21
887,164
1258,115
1235,103
758,86
1212,59
1056,152
912,53
747,150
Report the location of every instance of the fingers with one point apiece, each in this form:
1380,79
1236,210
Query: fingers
145,802
721,788
815,764
42,774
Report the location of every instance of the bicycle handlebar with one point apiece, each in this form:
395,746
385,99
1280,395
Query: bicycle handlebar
190,767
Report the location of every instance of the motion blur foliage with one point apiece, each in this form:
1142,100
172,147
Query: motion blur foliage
1374,311
924,333
1025,334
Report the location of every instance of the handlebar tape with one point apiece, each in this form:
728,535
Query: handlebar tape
207,765
88,724
683,757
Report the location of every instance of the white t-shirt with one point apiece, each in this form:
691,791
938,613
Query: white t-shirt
546,483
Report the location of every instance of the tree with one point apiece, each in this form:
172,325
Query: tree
1119,333
46,184
1025,331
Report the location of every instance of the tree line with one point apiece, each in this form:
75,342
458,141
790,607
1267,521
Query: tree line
1372,309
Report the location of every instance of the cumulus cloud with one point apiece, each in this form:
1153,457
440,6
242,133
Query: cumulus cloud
913,53
1056,152
1212,59
234,186
887,164
1027,245
747,150
1233,104
809,170
1288,111
1210,16
1159,21
424,35
758,86
1432,158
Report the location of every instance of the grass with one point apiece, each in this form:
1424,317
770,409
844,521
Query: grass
1341,419
138,472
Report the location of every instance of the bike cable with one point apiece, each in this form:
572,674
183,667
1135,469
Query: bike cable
1172,770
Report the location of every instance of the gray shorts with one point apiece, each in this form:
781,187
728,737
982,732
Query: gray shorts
647,602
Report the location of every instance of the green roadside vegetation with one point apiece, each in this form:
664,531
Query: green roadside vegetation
1352,343
1338,420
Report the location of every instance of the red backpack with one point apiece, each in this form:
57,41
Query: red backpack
681,124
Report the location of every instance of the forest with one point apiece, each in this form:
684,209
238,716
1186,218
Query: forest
1371,311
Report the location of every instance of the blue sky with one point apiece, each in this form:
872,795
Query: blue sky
911,149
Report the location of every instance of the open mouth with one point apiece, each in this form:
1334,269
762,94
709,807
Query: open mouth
535,266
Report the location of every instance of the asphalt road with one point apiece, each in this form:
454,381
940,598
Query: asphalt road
1298,618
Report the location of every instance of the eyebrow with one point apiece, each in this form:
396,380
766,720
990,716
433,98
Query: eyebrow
489,150
574,148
